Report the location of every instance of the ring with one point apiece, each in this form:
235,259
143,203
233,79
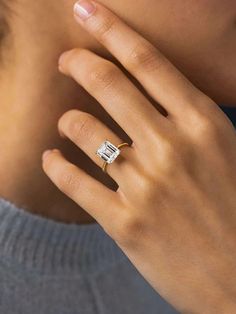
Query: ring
109,152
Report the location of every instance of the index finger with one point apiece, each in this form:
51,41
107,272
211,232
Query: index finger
159,77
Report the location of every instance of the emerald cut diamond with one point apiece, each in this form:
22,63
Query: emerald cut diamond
108,152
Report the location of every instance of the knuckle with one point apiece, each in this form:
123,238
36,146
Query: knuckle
68,181
129,230
82,129
105,29
149,187
209,124
144,56
206,128
79,125
169,152
171,158
104,75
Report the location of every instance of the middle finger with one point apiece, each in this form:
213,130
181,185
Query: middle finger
116,93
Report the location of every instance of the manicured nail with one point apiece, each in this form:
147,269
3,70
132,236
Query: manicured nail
46,153
62,134
84,8
62,57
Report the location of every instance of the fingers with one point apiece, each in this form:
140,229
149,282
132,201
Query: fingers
115,92
98,200
88,133
144,61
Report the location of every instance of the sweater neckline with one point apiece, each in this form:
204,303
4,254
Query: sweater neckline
47,246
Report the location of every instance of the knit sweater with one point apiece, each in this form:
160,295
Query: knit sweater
47,267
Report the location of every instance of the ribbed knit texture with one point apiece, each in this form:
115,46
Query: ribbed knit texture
52,247
48,267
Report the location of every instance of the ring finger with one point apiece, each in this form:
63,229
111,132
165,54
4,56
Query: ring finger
88,133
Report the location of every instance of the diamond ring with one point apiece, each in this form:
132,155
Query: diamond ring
109,152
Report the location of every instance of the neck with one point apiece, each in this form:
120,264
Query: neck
33,97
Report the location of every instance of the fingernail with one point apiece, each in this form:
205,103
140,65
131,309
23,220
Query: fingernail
49,151
84,8
62,58
62,134
46,153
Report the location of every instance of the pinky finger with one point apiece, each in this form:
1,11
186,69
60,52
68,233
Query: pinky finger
98,200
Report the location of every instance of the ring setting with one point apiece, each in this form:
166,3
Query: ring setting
109,152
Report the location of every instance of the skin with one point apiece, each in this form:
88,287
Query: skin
34,95
174,211
34,98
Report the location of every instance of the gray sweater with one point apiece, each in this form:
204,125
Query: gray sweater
48,267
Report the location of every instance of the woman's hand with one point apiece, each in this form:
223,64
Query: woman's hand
174,213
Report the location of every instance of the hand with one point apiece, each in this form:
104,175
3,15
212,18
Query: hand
174,213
